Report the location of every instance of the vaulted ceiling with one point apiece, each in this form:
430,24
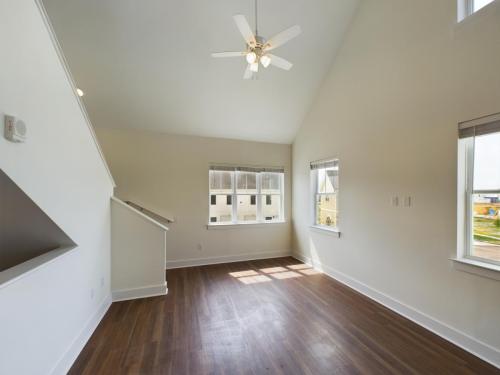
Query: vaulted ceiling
146,64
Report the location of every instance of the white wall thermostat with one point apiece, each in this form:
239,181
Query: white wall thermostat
15,129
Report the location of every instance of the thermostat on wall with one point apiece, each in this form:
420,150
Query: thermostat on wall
15,129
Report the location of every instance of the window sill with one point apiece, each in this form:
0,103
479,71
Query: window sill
329,231
243,225
491,271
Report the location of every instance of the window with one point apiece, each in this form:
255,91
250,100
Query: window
250,195
325,181
479,189
478,4
469,7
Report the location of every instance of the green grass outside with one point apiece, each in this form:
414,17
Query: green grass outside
485,228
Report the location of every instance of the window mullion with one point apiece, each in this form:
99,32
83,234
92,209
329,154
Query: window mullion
259,197
234,199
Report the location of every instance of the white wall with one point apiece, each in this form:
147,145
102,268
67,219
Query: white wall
138,251
169,174
389,108
59,167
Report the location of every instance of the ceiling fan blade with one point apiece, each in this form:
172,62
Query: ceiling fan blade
228,54
245,29
283,37
280,62
248,73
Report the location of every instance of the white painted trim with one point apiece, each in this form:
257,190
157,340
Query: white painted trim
256,224
67,360
144,216
16,273
479,121
324,230
475,267
143,292
182,263
64,64
484,351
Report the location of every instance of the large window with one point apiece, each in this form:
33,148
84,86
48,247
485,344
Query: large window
325,181
479,187
242,195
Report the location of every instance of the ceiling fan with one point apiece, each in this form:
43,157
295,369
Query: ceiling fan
257,48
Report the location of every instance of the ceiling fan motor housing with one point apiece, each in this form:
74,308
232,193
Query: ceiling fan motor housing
258,49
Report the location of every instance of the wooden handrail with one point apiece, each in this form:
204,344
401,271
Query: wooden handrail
150,213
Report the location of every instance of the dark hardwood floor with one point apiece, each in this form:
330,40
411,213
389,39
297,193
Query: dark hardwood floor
274,316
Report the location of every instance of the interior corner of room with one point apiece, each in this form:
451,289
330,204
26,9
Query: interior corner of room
183,181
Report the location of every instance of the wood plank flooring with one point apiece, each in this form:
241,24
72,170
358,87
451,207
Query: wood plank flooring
274,316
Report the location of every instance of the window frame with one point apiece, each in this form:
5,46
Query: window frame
315,193
258,199
465,193
467,253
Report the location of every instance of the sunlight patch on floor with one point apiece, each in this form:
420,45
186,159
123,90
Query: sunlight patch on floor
264,275
286,275
244,273
273,269
254,279
299,266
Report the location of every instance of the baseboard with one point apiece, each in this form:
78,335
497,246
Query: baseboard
225,259
143,292
460,339
67,360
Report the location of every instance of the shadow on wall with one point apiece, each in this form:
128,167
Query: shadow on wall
25,230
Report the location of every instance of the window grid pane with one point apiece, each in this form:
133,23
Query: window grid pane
271,207
246,211
221,212
326,210
486,226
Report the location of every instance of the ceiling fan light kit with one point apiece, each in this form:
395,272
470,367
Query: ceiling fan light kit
257,48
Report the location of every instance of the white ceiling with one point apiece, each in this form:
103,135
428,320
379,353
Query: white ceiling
146,64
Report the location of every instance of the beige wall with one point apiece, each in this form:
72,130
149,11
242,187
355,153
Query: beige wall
169,173
389,108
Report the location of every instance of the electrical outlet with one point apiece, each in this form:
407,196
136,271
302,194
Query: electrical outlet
102,281
92,292
199,247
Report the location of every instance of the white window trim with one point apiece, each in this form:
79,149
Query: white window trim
335,232
464,260
234,223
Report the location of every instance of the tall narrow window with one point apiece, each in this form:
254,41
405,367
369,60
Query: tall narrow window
480,167
325,177
245,195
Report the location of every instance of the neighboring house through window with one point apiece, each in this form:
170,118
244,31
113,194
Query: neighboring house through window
245,195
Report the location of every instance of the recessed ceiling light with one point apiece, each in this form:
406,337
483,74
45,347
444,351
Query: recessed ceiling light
80,92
